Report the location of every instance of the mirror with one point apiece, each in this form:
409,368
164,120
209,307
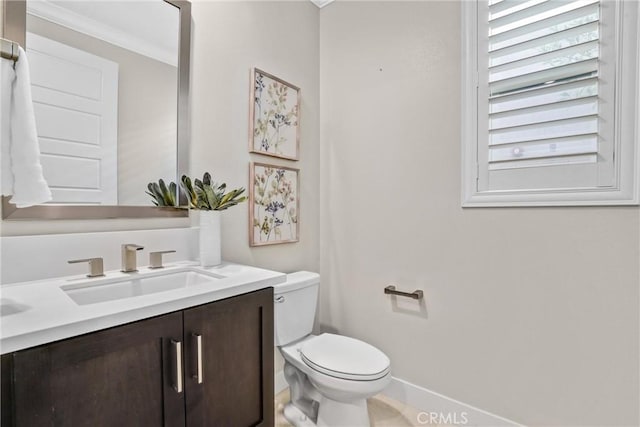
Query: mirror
110,86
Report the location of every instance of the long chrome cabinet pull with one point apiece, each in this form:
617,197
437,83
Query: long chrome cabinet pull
177,383
198,375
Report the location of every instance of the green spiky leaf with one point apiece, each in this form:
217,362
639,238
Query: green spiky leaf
207,195
192,197
161,194
166,194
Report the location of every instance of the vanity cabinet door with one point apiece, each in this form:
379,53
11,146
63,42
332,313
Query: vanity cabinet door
235,387
121,376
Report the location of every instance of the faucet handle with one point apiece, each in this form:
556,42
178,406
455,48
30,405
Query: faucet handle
96,267
155,258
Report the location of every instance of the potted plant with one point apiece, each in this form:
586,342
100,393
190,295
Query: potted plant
210,198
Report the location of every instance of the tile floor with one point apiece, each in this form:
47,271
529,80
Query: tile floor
383,412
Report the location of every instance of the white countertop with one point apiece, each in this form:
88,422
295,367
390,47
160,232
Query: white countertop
40,312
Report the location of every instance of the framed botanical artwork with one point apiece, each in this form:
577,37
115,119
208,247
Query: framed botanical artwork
274,116
274,204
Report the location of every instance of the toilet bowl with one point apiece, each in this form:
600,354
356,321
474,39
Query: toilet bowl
330,376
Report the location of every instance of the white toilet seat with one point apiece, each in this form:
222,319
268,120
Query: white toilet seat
342,401
344,358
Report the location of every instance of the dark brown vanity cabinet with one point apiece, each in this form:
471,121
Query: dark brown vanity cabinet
210,365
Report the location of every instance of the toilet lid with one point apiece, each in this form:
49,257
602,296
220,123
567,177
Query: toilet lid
345,357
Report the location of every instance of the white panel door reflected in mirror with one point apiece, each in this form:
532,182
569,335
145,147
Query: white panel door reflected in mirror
104,80
75,99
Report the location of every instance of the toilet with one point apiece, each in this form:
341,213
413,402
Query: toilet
330,376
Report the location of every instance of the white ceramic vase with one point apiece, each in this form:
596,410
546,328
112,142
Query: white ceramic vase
210,252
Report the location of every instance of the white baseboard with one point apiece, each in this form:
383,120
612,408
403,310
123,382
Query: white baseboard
437,404
431,403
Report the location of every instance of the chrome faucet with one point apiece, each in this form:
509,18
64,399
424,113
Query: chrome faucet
129,257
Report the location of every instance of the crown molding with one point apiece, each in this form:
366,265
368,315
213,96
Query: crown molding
321,3
46,10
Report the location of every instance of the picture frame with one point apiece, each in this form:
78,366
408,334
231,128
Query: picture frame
274,204
274,116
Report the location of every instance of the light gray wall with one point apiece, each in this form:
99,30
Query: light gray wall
530,313
229,38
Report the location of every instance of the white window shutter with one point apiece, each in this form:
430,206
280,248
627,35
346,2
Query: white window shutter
546,97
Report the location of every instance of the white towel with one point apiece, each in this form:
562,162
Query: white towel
21,169
7,75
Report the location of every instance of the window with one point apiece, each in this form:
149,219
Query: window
550,102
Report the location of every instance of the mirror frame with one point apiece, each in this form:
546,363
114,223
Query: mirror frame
14,28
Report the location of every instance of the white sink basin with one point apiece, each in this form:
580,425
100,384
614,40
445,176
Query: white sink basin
101,290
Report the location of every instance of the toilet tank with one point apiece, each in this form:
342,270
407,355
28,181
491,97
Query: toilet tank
295,306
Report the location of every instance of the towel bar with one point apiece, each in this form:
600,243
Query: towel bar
9,49
417,294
